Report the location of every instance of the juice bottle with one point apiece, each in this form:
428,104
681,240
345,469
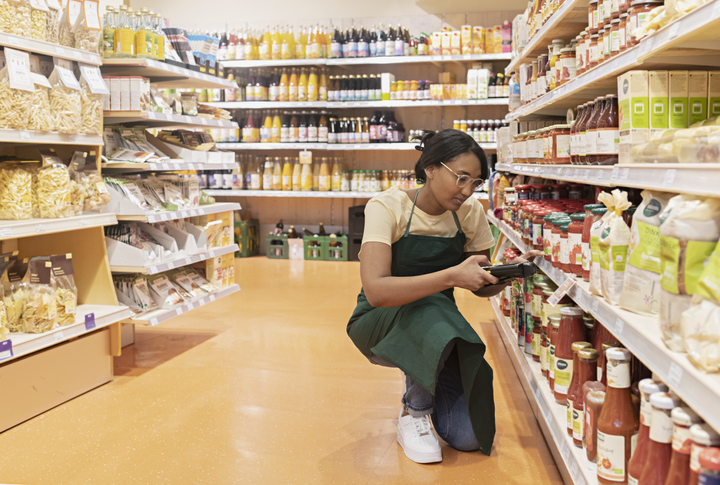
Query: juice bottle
312,49
250,45
324,180
124,34
306,177
323,128
267,174
287,174
232,45
312,129
266,45
277,43
316,176
293,86
277,174
285,129
301,46
303,130
261,87
328,41
297,171
109,26
276,126
323,85
274,89
302,85
288,50
283,86
337,175
312,85
266,128
256,174
293,132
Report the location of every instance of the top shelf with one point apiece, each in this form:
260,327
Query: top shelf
368,61
48,49
163,74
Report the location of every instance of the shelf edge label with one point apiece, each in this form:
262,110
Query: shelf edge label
90,321
6,350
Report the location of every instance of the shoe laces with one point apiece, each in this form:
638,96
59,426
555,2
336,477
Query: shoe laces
422,425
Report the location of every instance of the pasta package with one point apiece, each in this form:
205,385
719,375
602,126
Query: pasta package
14,296
4,261
42,118
53,21
16,189
91,96
71,15
54,197
87,30
641,288
65,101
40,310
16,90
186,282
20,20
613,245
39,13
689,231
65,290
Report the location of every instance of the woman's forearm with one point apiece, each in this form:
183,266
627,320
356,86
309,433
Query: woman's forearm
391,291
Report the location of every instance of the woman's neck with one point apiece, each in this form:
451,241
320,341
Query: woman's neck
427,203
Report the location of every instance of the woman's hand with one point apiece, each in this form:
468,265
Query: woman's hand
529,256
470,275
494,290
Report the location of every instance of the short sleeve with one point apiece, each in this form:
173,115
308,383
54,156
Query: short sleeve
379,223
477,230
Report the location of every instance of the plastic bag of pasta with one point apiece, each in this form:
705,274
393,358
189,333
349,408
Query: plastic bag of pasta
39,13
4,261
53,22
65,101
20,22
40,310
91,96
65,289
15,192
16,91
54,190
87,29
14,296
41,118
71,15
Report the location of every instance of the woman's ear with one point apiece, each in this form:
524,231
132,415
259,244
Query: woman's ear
430,172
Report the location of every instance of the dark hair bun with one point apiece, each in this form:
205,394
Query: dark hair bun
444,146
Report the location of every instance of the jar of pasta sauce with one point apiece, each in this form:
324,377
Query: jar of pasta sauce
640,13
541,192
523,192
556,239
561,145
623,31
565,246
703,437
538,223
554,327
558,191
575,232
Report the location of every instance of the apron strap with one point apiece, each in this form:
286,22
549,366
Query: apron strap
407,229
457,222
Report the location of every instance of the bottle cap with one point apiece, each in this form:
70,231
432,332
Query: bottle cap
703,434
684,416
578,346
664,400
616,353
648,387
589,354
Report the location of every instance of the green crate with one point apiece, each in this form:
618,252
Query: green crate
339,252
315,248
247,237
276,247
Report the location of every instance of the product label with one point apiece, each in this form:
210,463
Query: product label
611,459
569,417
591,142
551,361
564,250
563,374
618,374
544,358
661,429
615,41
563,146
681,440
632,480
694,255
537,233
645,413
586,256
575,248
537,306
645,254
578,424
536,344
607,141
695,457
589,424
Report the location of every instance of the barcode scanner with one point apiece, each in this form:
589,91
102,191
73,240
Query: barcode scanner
509,272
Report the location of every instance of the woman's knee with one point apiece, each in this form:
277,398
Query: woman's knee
462,440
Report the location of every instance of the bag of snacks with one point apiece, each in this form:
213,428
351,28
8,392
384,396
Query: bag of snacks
71,15
65,289
53,21
42,118
39,13
53,190
186,282
596,231
16,192
19,21
4,261
641,289
87,29
700,324
40,310
65,101
165,293
613,245
14,296
16,90
91,96
200,281
689,229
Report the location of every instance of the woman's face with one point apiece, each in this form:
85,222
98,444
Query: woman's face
443,183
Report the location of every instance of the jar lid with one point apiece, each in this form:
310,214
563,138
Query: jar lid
611,345
566,50
560,41
578,346
624,15
684,416
571,311
648,387
615,21
644,2
710,459
599,210
541,279
593,2
663,400
509,189
539,187
703,434
522,187
616,353
559,221
589,320
578,216
594,36
554,321
589,207
565,226
610,96
589,354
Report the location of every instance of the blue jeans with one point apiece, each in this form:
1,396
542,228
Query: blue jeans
448,409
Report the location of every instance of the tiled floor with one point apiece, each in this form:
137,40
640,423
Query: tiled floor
264,387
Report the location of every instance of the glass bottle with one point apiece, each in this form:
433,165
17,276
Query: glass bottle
296,175
287,174
660,440
637,461
124,34
109,26
587,360
575,388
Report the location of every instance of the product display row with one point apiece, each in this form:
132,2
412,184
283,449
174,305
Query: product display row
482,131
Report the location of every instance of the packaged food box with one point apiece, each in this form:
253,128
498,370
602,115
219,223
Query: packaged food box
713,94
506,34
678,90
436,47
386,80
697,96
472,83
446,44
226,218
466,39
455,43
478,40
483,80
634,122
659,101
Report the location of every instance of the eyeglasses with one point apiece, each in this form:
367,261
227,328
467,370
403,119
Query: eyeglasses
463,180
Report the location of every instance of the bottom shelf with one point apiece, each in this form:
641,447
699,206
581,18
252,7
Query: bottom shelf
571,460
158,316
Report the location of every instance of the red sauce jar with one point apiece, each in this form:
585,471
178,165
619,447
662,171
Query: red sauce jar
590,219
544,349
558,191
683,417
540,192
571,330
594,397
556,241
565,246
587,360
523,192
554,328
538,223
574,389
575,232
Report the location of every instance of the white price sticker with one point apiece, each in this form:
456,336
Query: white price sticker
24,135
673,31
624,173
5,232
615,173
153,322
190,166
173,215
203,121
78,55
188,261
59,336
212,297
179,311
82,223
12,40
201,301
559,171
617,327
152,269
94,79
40,228
586,175
675,375
595,305
646,46
669,177
151,219
193,212
190,306
163,217
171,264
599,175
60,51
188,119
565,451
561,291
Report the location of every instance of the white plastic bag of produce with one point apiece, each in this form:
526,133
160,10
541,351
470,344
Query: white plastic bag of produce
641,289
613,245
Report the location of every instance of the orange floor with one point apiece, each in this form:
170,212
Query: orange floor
264,387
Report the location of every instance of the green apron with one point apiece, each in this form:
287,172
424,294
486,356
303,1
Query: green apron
413,337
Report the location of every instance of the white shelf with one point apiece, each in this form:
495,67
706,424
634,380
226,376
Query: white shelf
367,61
88,318
158,316
688,178
331,146
157,120
166,166
34,227
163,74
571,460
687,41
48,137
304,194
48,49
641,335
359,104
151,269
182,213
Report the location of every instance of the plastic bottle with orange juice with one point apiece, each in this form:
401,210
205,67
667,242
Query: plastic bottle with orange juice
312,85
283,88
276,52
276,125
287,174
302,85
323,85
293,85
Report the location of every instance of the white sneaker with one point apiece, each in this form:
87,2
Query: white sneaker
418,439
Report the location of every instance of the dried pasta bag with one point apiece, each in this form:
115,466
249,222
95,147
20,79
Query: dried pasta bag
40,310
91,96
53,21
54,192
39,13
689,229
700,324
71,15
4,261
595,232
87,29
41,118
65,289
613,247
16,90
14,296
16,188
65,101
164,292
641,289
20,23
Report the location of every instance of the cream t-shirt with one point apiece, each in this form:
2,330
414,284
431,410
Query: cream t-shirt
387,214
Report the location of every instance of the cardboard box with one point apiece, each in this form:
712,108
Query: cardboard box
446,44
472,83
466,39
478,40
455,43
678,92
713,94
483,79
633,96
436,45
697,96
386,80
227,223
231,269
213,270
659,101
124,88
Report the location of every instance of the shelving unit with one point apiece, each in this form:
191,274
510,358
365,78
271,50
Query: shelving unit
172,166
152,216
164,74
359,104
367,61
49,138
34,227
641,335
571,460
162,120
330,146
303,194
48,49
155,268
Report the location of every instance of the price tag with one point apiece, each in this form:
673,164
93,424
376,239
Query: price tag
151,219
675,375
190,166
615,173
673,30
89,321
163,217
59,336
152,115
188,119
165,166
561,291
94,79
78,55
152,269
193,213
171,264
599,175
716,10
82,223
153,322
188,261
624,173
559,171
595,305
467,56
565,450
173,215
12,40
306,157
179,311
5,232
40,228
24,135
669,177
459,101
6,350
190,306
60,51
646,46
586,175
617,327
203,121
212,297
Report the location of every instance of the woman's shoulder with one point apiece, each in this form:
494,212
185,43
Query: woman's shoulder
391,198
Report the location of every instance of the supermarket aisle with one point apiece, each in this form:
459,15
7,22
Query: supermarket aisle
264,387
